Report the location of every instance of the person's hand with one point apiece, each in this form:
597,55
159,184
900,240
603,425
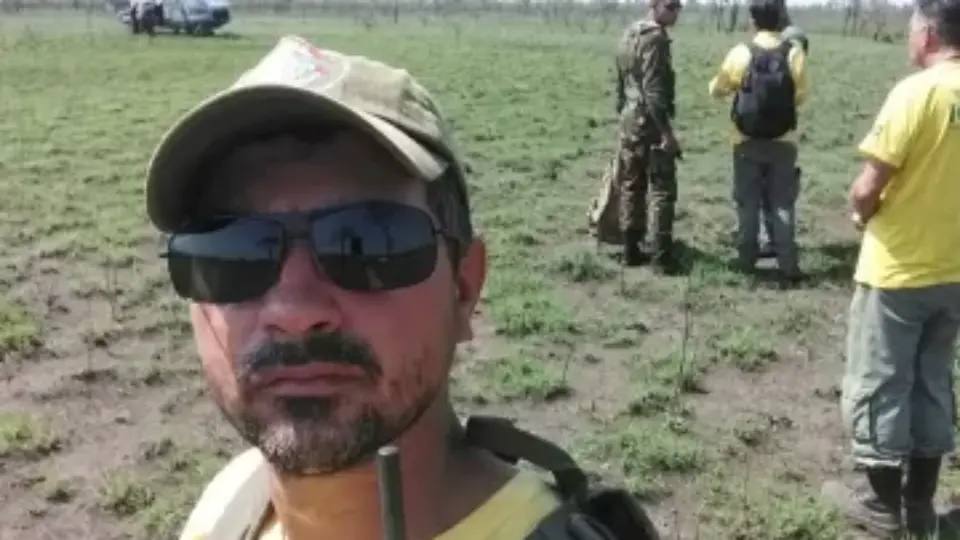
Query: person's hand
669,144
857,221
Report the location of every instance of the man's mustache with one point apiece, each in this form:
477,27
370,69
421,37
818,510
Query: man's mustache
329,347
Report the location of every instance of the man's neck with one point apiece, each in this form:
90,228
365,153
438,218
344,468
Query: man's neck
443,481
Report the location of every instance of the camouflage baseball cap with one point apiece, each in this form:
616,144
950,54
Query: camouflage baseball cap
300,85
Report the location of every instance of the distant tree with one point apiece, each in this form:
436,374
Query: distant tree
734,8
851,18
716,12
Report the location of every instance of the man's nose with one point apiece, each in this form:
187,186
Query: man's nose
302,300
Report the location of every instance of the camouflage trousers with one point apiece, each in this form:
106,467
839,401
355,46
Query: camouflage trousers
646,177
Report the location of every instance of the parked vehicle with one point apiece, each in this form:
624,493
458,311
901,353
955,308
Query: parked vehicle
195,17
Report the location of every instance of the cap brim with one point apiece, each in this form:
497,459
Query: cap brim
236,114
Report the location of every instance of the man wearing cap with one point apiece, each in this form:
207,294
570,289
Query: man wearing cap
319,226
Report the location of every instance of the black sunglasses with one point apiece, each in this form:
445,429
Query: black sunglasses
372,246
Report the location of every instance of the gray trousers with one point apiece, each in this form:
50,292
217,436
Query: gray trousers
897,399
766,180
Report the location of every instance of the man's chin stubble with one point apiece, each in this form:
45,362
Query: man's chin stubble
306,437
308,446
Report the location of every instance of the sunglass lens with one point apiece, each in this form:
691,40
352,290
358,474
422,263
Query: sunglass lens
227,262
375,246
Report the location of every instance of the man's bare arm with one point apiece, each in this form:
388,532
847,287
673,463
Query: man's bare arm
866,189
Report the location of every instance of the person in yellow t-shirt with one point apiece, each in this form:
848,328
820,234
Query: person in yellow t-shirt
320,230
897,399
766,180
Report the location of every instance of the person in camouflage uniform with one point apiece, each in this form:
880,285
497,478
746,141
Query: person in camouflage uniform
647,147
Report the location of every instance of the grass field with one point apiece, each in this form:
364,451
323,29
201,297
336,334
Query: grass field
716,402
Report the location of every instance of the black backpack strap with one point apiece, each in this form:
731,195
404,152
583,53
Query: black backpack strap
606,514
785,47
510,443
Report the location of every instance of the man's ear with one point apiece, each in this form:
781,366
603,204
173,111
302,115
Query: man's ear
471,274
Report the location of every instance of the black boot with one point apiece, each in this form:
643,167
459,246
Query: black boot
664,259
632,254
918,491
873,504
766,250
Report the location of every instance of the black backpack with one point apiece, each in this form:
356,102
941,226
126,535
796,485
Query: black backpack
765,105
599,513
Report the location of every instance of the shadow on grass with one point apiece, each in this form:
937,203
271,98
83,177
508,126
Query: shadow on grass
828,264
832,263
949,523
691,257
688,258
166,33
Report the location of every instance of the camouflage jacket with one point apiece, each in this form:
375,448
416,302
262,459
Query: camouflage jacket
646,82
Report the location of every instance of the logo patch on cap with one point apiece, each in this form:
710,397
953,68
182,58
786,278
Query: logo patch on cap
328,67
295,61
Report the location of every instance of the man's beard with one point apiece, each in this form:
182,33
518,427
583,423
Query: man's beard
307,438
321,434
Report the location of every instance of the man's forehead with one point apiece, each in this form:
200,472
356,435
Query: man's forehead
345,165
330,180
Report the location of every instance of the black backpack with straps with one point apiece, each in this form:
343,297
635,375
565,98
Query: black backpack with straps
585,513
765,105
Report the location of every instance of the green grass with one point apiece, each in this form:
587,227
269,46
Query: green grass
28,436
679,388
19,330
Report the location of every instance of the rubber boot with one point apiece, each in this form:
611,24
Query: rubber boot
664,259
918,491
632,254
873,504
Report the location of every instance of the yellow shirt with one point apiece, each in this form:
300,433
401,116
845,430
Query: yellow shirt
510,514
730,76
913,239
236,502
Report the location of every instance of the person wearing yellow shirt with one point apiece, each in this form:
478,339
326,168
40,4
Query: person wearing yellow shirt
767,78
898,402
320,231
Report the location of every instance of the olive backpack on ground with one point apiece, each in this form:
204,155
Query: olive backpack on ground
586,512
